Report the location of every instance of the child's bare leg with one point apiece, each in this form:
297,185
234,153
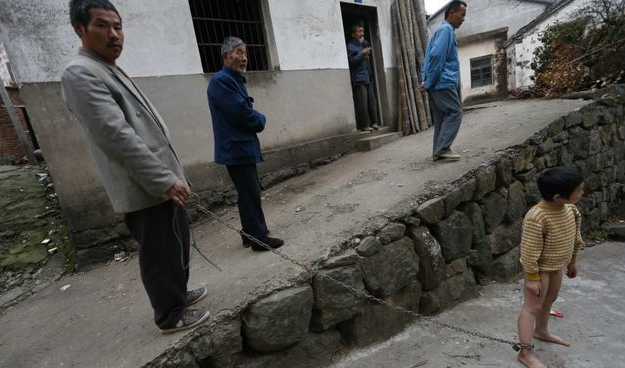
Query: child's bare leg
542,319
532,307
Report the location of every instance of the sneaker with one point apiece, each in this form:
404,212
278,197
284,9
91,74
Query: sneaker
194,296
375,126
190,318
450,155
273,243
367,129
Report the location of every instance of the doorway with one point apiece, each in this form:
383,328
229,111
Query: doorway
367,16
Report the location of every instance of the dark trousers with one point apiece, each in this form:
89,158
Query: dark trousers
447,116
245,179
163,235
366,106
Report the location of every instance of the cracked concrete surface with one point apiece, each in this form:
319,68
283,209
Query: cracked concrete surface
103,319
593,323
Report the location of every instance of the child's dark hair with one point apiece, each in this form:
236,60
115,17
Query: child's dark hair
558,180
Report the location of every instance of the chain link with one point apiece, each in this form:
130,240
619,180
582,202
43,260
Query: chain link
315,271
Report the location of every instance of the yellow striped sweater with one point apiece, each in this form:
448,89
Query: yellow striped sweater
550,240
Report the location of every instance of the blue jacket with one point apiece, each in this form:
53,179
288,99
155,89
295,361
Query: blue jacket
441,69
358,64
235,122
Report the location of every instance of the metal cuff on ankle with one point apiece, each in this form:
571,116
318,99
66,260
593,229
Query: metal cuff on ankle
519,347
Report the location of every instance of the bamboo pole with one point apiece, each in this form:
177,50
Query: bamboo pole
421,47
411,88
405,87
404,118
416,79
421,22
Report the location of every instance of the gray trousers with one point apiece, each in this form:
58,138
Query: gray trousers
447,116
366,106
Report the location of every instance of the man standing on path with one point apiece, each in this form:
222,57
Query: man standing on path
441,78
358,54
235,124
137,163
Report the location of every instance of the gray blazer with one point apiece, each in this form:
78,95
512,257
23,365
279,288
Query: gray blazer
128,138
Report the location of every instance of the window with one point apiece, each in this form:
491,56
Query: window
214,20
482,71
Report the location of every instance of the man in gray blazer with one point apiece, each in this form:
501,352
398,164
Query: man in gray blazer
137,163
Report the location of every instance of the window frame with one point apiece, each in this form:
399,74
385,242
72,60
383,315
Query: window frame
482,69
211,59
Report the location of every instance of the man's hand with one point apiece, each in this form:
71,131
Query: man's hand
366,51
571,271
422,88
533,287
178,193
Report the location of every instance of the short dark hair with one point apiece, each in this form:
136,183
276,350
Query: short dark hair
355,26
558,180
453,6
79,10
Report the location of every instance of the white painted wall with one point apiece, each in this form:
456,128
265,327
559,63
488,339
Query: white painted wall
523,50
309,34
159,38
465,54
487,15
4,67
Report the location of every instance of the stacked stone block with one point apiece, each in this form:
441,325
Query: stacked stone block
425,260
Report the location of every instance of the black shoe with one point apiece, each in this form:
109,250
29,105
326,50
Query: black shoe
190,318
273,243
247,242
194,296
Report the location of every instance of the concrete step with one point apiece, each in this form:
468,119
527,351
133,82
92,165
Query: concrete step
382,130
376,141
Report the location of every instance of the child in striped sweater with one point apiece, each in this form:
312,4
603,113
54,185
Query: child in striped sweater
550,242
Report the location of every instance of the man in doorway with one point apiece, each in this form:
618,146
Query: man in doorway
235,125
441,78
358,54
137,163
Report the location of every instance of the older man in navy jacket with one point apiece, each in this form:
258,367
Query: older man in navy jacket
235,124
358,54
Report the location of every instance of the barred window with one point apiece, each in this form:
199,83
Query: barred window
482,71
214,20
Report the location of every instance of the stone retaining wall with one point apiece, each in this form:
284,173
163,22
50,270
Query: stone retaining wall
425,261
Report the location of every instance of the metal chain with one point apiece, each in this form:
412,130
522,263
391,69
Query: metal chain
315,271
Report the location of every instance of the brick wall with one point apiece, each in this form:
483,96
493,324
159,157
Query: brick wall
10,146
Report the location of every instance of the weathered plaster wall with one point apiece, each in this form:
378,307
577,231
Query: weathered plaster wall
521,51
465,54
487,15
429,258
4,66
294,116
309,34
159,38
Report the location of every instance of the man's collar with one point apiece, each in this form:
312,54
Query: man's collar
235,74
451,25
86,52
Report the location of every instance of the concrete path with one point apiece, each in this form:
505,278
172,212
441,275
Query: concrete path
593,322
103,318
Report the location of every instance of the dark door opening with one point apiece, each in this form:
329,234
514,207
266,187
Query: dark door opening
367,16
